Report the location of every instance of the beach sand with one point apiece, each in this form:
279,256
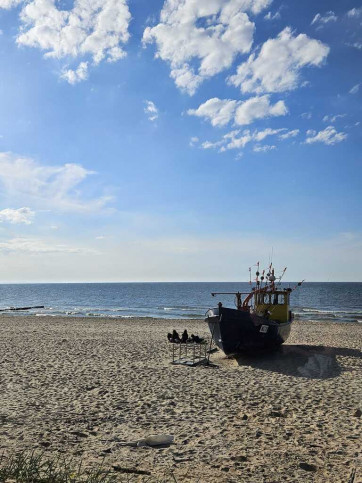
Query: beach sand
77,387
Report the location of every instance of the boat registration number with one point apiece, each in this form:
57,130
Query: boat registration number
264,329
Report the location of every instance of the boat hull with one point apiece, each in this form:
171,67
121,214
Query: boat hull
235,331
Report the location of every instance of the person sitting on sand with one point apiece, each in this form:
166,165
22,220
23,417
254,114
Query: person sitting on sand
196,339
175,337
184,336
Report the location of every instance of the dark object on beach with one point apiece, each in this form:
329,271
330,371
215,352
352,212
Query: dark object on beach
184,336
174,338
307,467
261,321
196,339
22,308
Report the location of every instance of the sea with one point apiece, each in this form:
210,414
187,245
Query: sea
338,302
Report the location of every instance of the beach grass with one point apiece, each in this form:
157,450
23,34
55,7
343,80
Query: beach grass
36,467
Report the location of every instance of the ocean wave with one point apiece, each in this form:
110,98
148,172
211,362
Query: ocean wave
329,311
173,312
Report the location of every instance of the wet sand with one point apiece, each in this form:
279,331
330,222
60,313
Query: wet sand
78,387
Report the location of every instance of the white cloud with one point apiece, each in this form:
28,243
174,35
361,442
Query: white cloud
258,108
7,4
354,89
21,215
356,45
328,136
151,111
238,139
334,118
55,187
355,12
260,135
77,75
270,16
323,19
193,141
35,245
306,115
289,134
221,111
210,32
232,140
218,111
263,148
276,67
94,29
210,145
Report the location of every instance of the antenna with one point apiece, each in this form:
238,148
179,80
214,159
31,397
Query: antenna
282,275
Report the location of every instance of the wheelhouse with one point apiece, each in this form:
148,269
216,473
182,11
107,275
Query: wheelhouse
273,305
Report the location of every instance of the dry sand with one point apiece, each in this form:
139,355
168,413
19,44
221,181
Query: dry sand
79,386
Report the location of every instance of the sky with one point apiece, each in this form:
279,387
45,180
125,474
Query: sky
180,140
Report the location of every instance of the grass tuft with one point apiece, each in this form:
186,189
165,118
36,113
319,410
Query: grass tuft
35,467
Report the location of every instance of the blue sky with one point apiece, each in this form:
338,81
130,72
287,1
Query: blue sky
179,140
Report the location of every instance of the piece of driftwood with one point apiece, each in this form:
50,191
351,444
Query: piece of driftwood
22,308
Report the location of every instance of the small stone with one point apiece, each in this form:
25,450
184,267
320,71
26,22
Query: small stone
307,467
46,444
357,413
244,417
79,434
276,414
241,458
226,469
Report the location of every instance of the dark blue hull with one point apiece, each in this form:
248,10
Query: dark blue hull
235,331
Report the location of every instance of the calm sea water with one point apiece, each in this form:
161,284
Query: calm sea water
341,302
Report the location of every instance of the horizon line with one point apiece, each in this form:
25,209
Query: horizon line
169,281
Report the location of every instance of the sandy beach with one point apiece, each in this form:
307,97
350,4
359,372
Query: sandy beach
80,386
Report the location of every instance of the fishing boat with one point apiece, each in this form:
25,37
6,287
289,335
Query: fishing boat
261,320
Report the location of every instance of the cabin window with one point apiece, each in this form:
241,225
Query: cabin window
281,299
278,299
267,299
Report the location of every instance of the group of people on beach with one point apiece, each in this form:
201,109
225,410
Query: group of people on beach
174,338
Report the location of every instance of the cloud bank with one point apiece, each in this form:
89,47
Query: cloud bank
277,66
221,111
96,30
55,187
208,33
328,136
22,215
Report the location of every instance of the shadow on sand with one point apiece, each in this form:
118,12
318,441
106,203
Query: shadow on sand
313,362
